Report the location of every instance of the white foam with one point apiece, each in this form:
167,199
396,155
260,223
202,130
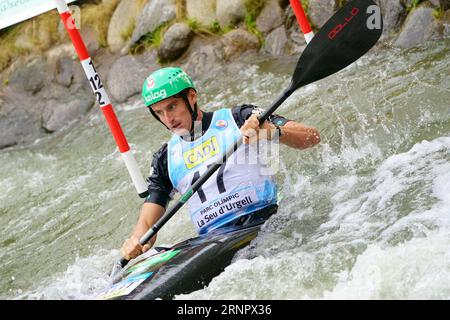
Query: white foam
280,277
418,269
85,279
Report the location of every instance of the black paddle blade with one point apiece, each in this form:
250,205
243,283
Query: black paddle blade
347,36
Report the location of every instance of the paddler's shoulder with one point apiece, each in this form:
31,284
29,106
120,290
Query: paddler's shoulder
159,163
161,154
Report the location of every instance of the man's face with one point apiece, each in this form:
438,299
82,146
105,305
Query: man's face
174,113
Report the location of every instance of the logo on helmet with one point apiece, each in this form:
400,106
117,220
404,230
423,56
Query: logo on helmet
156,95
150,83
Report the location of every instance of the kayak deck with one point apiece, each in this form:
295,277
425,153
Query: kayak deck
183,268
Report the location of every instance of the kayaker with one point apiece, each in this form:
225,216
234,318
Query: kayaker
239,193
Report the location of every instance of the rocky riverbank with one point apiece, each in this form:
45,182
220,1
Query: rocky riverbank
43,93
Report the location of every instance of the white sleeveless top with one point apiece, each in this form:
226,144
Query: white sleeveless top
238,188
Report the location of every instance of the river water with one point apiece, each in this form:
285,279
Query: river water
363,215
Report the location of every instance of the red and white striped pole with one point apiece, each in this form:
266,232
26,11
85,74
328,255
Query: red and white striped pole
102,98
302,20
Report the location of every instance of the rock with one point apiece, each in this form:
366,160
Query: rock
30,78
203,11
127,75
230,12
237,42
270,18
276,42
42,96
123,18
149,58
435,3
103,62
406,3
446,24
63,50
61,105
418,27
393,13
203,58
154,14
90,40
64,71
444,4
63,108
176,41
18,122
17,126
319,11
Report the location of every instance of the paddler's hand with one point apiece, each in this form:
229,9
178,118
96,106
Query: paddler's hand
252,132
131,248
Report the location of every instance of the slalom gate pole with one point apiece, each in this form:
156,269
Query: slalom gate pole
102,98
302,20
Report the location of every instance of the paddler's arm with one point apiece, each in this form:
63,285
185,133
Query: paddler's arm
160,189
293,134
297,135
150,213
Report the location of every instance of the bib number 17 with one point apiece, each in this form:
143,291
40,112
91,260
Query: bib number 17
219,182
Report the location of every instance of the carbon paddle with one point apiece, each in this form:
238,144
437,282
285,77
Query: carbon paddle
345,37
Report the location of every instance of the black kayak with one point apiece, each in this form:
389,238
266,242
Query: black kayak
183,268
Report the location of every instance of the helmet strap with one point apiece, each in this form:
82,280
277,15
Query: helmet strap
156,117
193,111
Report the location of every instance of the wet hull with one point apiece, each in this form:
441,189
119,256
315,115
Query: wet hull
183,268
